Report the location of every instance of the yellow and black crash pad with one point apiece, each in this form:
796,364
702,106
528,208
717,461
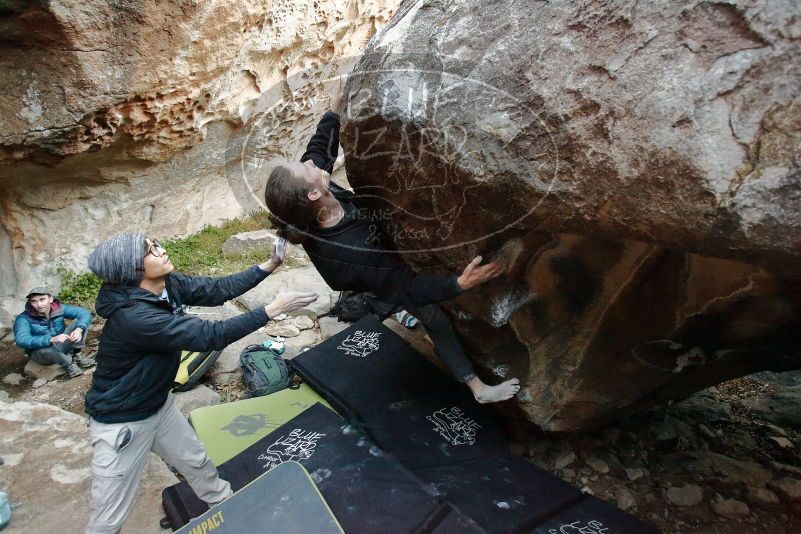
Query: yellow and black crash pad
367,490
230,428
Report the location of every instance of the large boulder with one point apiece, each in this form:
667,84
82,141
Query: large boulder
301,279
226,369
44,372
781,407
247,241
637,167
9,309
331,326
295,345
199,396
47,471
216,313
160,117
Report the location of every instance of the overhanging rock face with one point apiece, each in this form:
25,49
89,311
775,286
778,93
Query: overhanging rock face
640,167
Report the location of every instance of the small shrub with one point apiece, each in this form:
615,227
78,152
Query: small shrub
78,289
201,252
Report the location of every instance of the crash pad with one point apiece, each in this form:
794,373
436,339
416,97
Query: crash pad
368,364
593,516
440,428
502,493
434,427
367,490
230,428
284,499
447,519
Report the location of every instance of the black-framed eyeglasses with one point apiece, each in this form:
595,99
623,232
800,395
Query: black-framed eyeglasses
155,249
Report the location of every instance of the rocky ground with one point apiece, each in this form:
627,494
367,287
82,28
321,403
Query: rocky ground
725,460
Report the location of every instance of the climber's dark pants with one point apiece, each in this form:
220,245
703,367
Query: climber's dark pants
440,329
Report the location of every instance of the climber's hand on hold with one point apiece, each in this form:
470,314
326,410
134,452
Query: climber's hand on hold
277,257
475,273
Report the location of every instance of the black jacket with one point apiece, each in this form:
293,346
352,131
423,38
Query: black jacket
141,344
353,255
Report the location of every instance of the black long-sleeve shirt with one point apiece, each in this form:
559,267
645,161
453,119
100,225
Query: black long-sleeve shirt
352,256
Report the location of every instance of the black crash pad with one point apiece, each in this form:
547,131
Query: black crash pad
402,401
366,490
369,365
502,493
435,429
509,494
447,519
593,516
284,499
427,420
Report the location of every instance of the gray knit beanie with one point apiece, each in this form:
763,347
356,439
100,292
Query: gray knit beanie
120,259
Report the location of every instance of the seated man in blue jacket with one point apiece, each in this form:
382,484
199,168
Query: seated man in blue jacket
46,338
328,221
130,406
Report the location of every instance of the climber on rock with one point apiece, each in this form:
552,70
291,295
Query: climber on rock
307,208
130,406
46,338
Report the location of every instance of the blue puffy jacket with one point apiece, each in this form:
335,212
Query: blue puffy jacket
32,331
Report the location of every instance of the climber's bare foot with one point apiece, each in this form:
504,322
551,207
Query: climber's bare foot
486,394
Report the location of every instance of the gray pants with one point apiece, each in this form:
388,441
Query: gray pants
439,328
60,353
120,456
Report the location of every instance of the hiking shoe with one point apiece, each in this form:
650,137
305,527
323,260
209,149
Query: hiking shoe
84,361
73,370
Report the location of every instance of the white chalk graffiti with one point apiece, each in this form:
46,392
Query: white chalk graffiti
298,445
454,426
576,527
360,344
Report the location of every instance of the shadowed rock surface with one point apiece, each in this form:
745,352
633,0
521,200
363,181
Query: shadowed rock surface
640,165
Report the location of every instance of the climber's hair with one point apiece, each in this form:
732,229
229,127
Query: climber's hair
291,211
